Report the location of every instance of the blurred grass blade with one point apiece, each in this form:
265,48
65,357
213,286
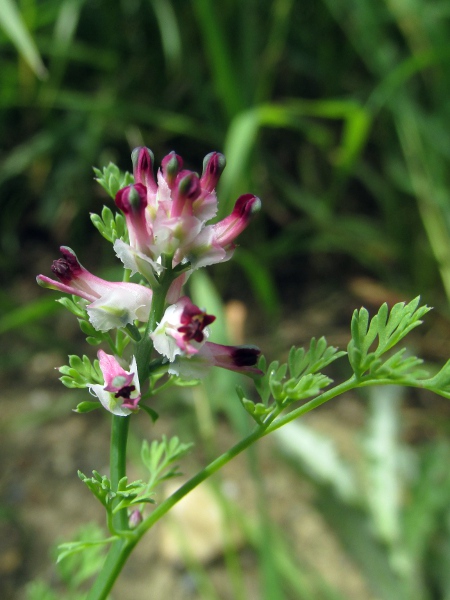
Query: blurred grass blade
244,128
170,32
281,12
14,27
219,56
261,280
26,314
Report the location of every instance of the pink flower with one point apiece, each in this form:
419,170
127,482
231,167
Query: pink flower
241,359
121,392
181,337
112,304
167,215
182,330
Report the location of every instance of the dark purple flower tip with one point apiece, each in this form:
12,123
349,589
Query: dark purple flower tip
188,186
245,356
132,199
193,322
143,160
213,165
171,165
246,205
67,267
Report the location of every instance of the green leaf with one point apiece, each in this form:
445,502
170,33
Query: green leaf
151,413
111,226
80,373
389,328
85,407
112,180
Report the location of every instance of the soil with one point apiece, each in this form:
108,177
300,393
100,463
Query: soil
43,502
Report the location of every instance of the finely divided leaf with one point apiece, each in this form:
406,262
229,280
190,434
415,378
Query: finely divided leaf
389,328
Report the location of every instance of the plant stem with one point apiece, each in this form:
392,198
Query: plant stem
121,549
222,460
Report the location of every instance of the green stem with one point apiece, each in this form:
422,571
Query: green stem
121,548
144,348
222,460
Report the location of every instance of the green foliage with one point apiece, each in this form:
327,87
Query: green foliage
159,458
127,494
296,380
388,505
390,329
75,305
111,227
112,179
80,372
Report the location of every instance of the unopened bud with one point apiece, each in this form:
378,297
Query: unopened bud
132,199
135,519
143,160
213,165
171,165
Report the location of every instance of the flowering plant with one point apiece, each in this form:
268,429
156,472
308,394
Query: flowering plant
155,337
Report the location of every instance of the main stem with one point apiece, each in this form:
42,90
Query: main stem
121,549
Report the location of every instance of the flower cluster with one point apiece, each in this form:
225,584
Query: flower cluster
169,237
167,216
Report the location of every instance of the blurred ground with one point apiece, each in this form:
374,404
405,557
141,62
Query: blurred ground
43,444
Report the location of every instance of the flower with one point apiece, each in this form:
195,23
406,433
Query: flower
167,215
112,304
241,359
182,330
121,392
181,337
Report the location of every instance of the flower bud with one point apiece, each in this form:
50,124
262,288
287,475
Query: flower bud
143,159
187,190
213,165
132,199
171,165
229,228
135,519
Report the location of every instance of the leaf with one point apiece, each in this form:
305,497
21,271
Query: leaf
112,180
151,413
390,329
111,226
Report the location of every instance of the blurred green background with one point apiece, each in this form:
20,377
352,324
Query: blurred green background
337,114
